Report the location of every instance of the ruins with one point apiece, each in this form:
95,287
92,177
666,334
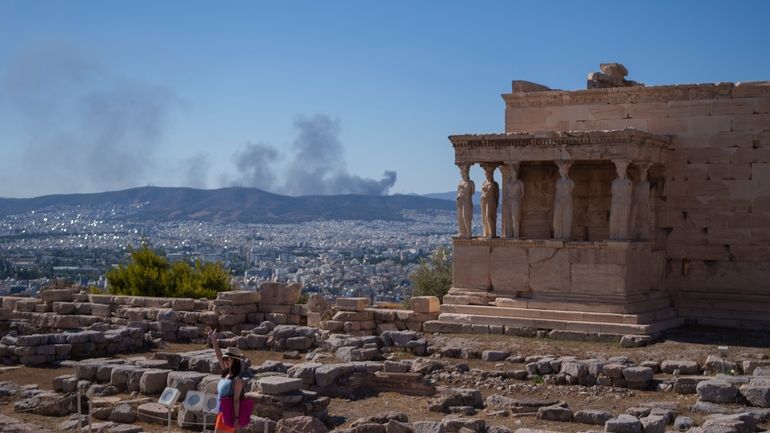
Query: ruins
641,208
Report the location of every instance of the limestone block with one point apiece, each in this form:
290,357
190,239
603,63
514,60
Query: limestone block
689,108
101,299
184,381
717,391
56,295
590,416
231,319
354,316
239,297
276,385
27,305
684,366
471,268
647,110
598,279
623,424
183,304
750,122
120,375
549,270
554,413
273,293
653,424
352,304
424,304
100,310
509,270
757,394
63,307
153,381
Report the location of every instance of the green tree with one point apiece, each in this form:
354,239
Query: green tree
433,277
150,274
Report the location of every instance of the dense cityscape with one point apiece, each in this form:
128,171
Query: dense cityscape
338,258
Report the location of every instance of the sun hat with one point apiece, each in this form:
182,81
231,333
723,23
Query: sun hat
233,352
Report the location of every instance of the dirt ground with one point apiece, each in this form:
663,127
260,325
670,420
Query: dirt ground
689,343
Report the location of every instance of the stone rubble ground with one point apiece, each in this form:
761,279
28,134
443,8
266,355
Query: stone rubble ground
467,388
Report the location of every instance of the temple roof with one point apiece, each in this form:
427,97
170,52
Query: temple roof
630,144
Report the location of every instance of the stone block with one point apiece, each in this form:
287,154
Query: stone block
549,270
623,424
353,304
100,310
424,304
684,366
56,295
594,417
273,293
757,393
183,304
471,268
653,424
276,385
717,391
509,270
153,381
554,413
63,307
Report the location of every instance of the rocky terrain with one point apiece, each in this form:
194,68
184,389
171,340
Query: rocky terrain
379,383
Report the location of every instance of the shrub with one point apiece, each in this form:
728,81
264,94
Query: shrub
150,274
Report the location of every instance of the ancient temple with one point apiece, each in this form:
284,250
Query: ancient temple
623,209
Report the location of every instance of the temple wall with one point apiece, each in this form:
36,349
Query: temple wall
591,200
713,210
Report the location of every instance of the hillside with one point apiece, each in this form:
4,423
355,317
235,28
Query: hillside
235,204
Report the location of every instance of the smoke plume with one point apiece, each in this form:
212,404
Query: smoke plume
255,165
83,127
316,165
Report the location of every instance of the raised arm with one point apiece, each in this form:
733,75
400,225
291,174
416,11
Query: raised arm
212,335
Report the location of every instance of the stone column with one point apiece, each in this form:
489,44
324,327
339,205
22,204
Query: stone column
465,190
620,209
562,204
640,205
513,192
490,194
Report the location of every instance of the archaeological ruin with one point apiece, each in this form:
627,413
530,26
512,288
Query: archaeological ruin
625,209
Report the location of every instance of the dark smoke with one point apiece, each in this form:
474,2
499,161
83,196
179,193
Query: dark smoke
86,127
316,167
255,166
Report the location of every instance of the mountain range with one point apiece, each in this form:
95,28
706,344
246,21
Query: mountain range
235,204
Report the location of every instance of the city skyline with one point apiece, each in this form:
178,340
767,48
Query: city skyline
305,98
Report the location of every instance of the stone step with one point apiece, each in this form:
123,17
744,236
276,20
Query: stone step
577,316
567,325
562,304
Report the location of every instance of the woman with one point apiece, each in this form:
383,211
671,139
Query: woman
229,388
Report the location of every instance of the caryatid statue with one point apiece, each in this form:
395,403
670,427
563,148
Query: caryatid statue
640,206
620,208
562,203
490,194
513,192
465,190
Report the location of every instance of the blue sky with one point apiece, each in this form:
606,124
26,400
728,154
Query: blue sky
99,95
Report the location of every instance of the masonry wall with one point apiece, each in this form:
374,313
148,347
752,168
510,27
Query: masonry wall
712,212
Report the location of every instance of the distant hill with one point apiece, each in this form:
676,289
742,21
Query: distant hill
451,195
231,205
